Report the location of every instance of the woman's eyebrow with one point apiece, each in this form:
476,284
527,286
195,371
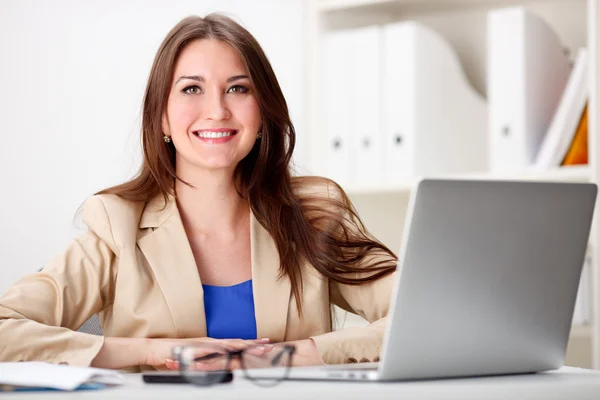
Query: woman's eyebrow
237,78
201,78
192,77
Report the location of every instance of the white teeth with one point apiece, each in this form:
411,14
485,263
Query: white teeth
214,135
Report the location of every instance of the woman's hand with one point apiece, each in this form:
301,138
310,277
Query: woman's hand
306,353
158,352
119,353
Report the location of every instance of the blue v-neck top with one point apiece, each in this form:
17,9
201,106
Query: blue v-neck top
230,311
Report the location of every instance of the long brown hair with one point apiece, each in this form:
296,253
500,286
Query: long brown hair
320,227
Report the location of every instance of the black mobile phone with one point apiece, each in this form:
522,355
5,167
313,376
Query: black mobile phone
163,377
176,377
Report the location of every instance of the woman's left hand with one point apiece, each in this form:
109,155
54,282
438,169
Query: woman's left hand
306,353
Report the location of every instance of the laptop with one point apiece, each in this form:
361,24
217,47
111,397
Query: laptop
488,274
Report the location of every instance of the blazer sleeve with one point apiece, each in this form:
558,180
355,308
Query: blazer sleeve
39,313
362,343
369,300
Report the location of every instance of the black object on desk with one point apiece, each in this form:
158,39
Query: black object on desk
177,377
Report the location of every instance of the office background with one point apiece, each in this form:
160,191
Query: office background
72,76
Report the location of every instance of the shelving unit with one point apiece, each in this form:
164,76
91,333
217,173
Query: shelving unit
462,23
577,173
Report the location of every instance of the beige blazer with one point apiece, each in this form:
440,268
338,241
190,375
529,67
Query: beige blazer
136,269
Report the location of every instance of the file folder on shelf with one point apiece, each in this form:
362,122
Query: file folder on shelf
527,73
353,97
434,121
365,85
339,107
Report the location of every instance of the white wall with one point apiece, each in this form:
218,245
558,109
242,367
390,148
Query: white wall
72,76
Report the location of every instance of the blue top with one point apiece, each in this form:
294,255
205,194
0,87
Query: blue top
230,311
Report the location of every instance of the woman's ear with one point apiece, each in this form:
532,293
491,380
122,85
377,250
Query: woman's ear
165,125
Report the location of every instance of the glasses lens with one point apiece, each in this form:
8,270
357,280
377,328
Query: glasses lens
277,358
204,365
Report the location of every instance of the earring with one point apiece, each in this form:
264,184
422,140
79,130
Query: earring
167,139
259,135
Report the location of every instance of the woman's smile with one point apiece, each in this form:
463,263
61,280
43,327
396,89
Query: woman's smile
216,136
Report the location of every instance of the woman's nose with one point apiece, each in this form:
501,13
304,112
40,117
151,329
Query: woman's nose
215,108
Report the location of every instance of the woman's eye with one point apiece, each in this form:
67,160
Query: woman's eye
238,89
194,89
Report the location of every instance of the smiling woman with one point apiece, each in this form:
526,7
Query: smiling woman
213,116
213,242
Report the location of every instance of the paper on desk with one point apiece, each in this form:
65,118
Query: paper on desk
63,377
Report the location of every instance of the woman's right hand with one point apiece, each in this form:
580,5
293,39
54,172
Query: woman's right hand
119,353
158,352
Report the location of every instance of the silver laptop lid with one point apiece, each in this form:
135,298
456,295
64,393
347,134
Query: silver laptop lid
488,272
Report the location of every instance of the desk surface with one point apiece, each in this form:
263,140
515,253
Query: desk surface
566,383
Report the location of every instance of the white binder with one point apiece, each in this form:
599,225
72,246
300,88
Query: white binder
338,84
399,101
365,88
527,73
434,121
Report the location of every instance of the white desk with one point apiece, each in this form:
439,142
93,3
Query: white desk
567,383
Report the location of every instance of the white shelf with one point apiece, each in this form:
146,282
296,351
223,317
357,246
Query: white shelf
415,5
562,174
581,331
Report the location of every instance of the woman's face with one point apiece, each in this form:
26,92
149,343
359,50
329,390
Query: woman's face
212,113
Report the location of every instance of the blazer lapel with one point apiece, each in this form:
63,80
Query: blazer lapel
170,256
271,292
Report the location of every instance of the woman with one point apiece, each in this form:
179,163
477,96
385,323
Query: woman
213,239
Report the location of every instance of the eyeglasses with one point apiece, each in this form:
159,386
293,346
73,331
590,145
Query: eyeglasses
206,365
